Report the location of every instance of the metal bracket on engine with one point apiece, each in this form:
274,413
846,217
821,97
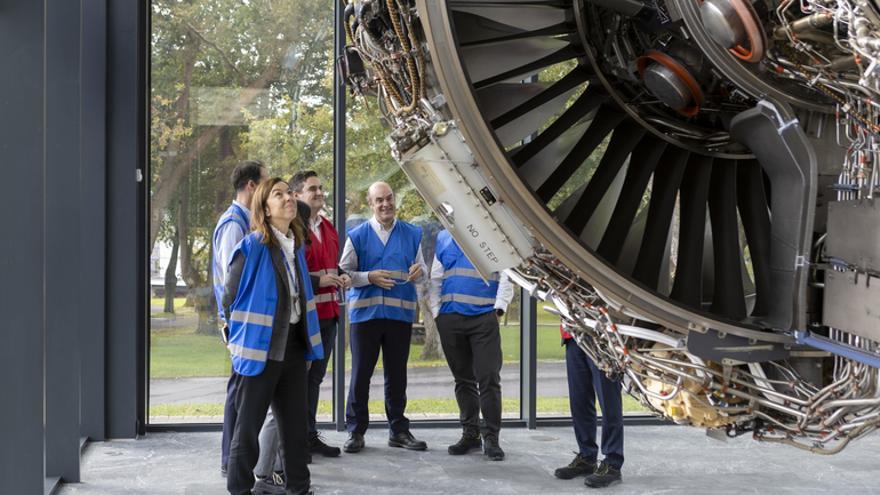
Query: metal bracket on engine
445,173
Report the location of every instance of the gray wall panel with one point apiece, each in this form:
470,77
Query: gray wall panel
124,385
21,253
62,292
92,217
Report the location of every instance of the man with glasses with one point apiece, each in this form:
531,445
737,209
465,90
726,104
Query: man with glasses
384,258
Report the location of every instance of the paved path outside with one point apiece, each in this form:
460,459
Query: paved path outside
422,383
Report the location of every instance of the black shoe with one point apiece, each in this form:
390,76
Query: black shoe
354,444
492,449
270,485
467,443
605,475
406,440
318,447
580,466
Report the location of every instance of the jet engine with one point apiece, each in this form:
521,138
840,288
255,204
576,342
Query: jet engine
688,184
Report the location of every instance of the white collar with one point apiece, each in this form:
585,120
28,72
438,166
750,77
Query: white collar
287,241
243,207
378,227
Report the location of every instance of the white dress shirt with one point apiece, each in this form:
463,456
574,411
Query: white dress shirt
288,246
435,286
229,237
349,260
315,226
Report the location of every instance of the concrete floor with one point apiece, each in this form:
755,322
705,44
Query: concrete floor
659,459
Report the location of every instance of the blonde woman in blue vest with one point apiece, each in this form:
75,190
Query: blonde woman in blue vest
273,334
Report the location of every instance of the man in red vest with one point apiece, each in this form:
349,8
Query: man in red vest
322,255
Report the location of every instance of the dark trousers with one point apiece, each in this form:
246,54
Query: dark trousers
586,382
229,415
319,369
392,337
283,386
472,345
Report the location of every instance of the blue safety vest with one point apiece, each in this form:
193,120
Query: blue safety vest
463,291
236,215
253,311
372,302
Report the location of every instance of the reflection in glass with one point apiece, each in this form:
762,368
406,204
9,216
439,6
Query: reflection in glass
229,81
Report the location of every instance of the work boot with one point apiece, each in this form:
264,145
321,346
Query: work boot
492,449
580,466
407,441
318,447
605,475
468,442
354,444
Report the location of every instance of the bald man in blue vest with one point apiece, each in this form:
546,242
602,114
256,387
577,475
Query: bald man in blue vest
466,309
384,258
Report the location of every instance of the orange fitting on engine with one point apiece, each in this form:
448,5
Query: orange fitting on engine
754,31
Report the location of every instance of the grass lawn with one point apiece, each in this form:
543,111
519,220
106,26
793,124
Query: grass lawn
547,406
181,353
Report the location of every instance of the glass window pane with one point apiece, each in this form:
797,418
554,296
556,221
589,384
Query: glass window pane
230,81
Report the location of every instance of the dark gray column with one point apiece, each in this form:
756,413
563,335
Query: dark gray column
339,209
125,262
92,218
62,289
529,359
22,250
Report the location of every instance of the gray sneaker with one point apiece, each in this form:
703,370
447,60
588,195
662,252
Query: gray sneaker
270,485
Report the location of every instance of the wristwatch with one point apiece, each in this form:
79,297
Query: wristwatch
499,311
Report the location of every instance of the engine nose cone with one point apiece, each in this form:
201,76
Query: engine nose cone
668,87
723,23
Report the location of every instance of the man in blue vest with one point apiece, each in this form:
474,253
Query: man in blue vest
232,227
466,309
383,256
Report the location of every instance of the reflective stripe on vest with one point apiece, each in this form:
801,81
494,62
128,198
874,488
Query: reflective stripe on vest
469,272
327,297
383,301
463,291
371,302
464,298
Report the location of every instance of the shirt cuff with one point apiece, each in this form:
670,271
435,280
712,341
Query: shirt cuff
359,279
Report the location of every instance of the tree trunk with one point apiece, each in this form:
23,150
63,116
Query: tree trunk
432,349
201,293
171,276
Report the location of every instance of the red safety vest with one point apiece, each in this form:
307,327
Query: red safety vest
565,335
322,258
